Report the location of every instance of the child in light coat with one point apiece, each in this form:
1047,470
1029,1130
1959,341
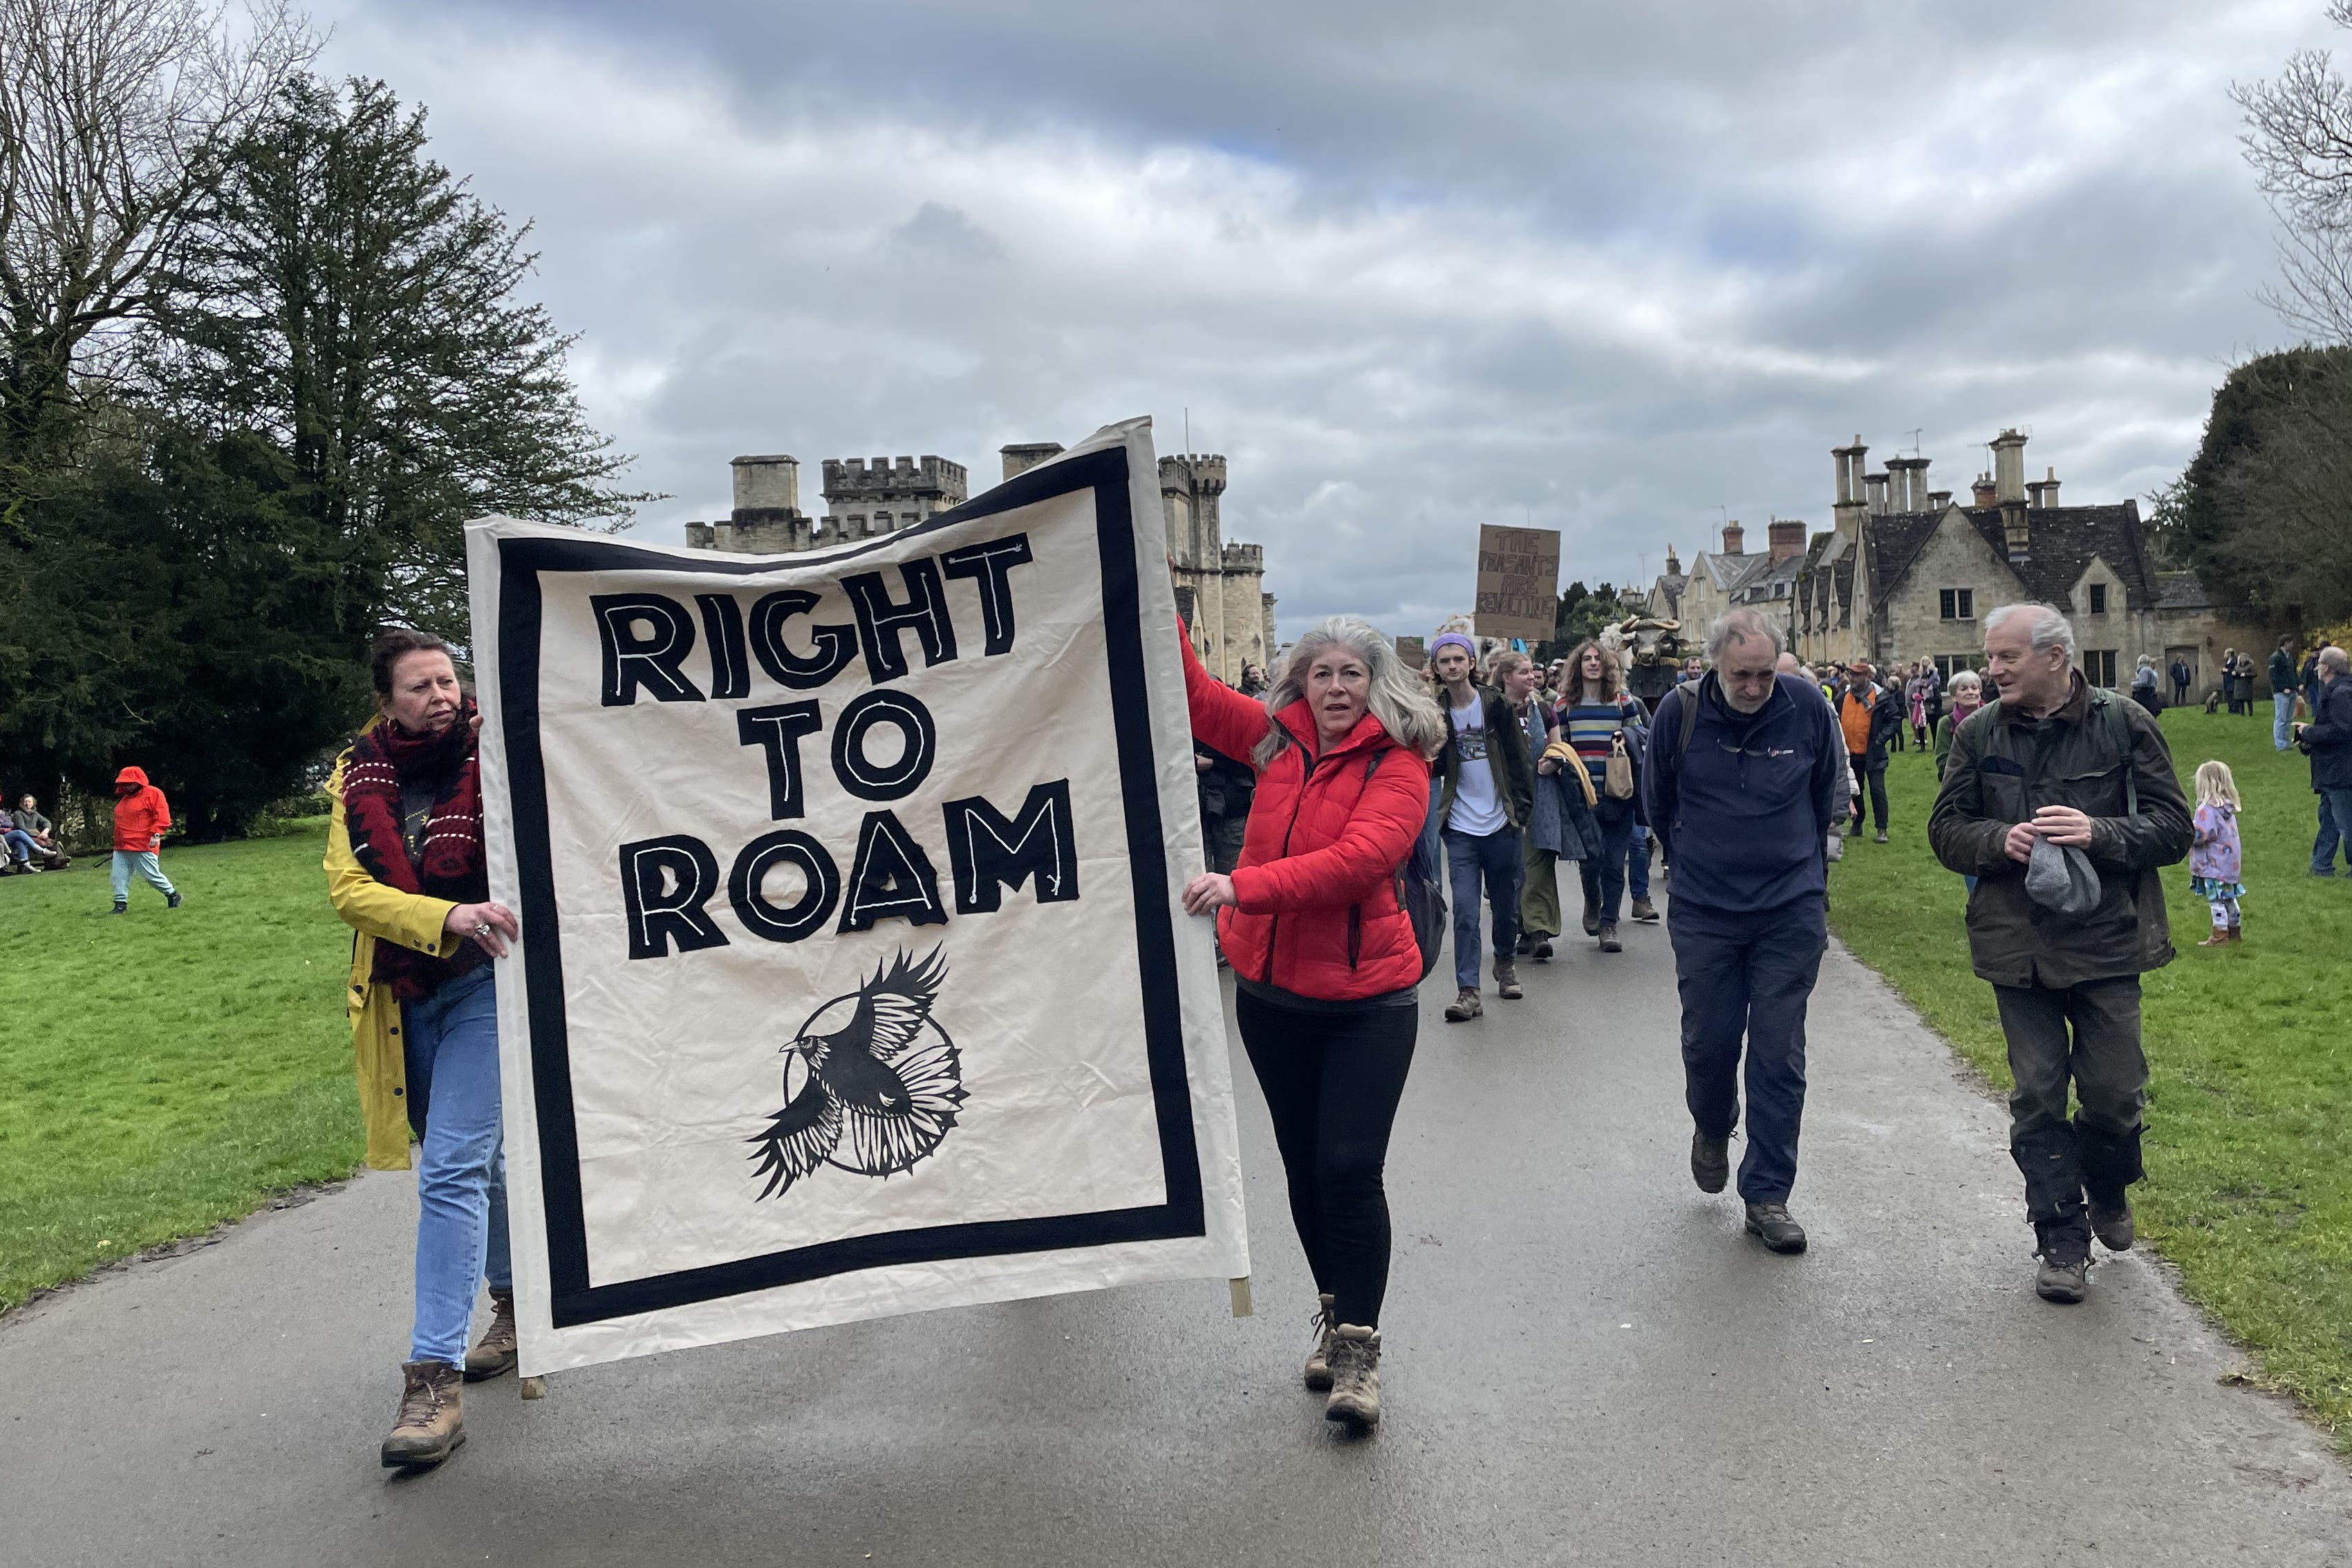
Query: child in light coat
2214,863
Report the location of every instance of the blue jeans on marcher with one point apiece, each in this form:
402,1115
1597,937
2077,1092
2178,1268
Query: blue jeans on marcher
149,867
2334,832
450,1045
1747,977
2281,717
1497,859
1605,884
1637,862
21,843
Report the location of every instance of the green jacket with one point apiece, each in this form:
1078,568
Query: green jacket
1506,755
2003,768
1943,742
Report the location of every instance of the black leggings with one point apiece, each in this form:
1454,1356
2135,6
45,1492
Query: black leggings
1332,1081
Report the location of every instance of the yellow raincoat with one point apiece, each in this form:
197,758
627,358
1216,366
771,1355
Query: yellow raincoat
376,913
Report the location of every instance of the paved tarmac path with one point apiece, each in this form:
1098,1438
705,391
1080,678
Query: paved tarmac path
1589,1363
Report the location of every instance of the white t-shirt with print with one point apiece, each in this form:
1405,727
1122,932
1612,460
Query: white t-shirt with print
1476,810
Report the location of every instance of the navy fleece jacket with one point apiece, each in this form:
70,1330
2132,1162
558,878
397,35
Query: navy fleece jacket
1744,812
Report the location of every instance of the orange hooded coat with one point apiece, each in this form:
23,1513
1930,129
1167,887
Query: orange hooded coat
141,820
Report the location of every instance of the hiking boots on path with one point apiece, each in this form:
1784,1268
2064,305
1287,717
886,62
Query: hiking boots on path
1318,1360
495,1352
1645,911
2064,1274
1464,1006
430,1425
2112,1224
1507,980
1608,943
1771,1222
1710,1161
1355,1377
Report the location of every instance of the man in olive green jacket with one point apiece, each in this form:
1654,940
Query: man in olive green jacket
2054,760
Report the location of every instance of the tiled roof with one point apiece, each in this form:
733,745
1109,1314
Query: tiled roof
2061,541
2181,591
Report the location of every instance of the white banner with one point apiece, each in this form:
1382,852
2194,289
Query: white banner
852,979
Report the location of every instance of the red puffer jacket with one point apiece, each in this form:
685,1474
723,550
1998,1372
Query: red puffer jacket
1317,879
142,820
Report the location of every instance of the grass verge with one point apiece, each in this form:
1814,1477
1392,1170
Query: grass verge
163,1071
2249,1149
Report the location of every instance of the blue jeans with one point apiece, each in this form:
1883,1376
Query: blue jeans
1498,860
143,861
2334,831
451,1044
1605,884
21,845
1749,976
1637,861
2281,716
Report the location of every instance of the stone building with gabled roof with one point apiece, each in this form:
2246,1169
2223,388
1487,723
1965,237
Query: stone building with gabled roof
1908,573
1730,578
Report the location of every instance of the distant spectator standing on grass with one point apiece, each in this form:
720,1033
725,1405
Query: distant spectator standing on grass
406,871
1868,716
1741,785
141,817
2327,741
2180,677
2281,678
2061,799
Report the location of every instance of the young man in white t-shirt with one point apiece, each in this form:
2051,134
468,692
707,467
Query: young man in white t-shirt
1489,785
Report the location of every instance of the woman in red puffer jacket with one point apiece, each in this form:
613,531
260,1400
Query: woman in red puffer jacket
1324,959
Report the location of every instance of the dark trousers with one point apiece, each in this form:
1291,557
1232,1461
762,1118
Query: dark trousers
2086,1036
2335,808
1749,976
1331,1082
1604,881
1877,779
1500,861
2179,692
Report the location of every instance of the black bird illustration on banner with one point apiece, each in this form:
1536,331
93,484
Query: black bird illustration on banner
872,1082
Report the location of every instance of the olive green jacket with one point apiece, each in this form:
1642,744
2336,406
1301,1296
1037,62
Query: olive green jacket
2103,755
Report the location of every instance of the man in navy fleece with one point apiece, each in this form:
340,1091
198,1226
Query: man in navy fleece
1749,759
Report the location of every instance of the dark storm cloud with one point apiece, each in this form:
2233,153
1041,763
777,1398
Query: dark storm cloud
1597,267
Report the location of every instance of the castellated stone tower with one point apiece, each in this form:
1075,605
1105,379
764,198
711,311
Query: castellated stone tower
862,499
1220,587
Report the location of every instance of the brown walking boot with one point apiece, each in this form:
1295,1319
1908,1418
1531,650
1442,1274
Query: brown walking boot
1608,943
1318,1360
2220,938
1354,1377
493,1352
430,1425
1464,1006
1645,911
1507,980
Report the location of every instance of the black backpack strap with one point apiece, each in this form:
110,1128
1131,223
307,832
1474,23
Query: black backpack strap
1690,721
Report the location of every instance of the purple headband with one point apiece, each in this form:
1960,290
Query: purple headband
1458,640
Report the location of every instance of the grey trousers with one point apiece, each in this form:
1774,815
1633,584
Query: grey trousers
2086,1036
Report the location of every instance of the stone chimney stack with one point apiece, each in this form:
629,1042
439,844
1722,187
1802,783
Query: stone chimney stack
2016,528
2049,488
1021,458
1847,512
1788,536
767,484
1875,484
1909,478
2009,467
1734,538
1939,499
1983,492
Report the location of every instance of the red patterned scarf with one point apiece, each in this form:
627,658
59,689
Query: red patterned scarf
383,758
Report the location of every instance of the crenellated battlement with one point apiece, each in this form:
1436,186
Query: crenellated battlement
853,479
1244,557
1203,473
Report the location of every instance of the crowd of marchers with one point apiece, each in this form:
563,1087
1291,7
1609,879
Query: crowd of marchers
2058,802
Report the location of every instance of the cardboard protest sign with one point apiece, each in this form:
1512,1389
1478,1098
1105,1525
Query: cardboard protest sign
1413,652
1519,582
852,979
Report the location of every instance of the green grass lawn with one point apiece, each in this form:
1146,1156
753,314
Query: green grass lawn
2249,1149
162,1072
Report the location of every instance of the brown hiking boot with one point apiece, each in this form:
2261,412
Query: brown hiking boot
2112,1224
1354,1377
1591,918
1645,911
1507,980
430,1425
1608,943
2220,938
1464,1006
1318,1360
493,1352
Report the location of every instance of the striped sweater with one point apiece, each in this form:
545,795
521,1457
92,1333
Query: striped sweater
1588,727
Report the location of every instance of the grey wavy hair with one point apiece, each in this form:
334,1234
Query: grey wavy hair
2046,628
1748,626
1396,697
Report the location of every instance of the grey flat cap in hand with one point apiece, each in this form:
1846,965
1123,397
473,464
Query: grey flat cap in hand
2061,879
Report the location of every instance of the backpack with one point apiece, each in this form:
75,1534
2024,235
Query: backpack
1420,891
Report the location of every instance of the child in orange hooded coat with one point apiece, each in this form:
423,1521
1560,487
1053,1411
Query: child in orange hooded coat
141,817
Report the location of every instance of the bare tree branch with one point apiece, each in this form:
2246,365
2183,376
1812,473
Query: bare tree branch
114,115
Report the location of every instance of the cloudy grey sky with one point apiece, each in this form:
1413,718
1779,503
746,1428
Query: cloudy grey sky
1412,266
